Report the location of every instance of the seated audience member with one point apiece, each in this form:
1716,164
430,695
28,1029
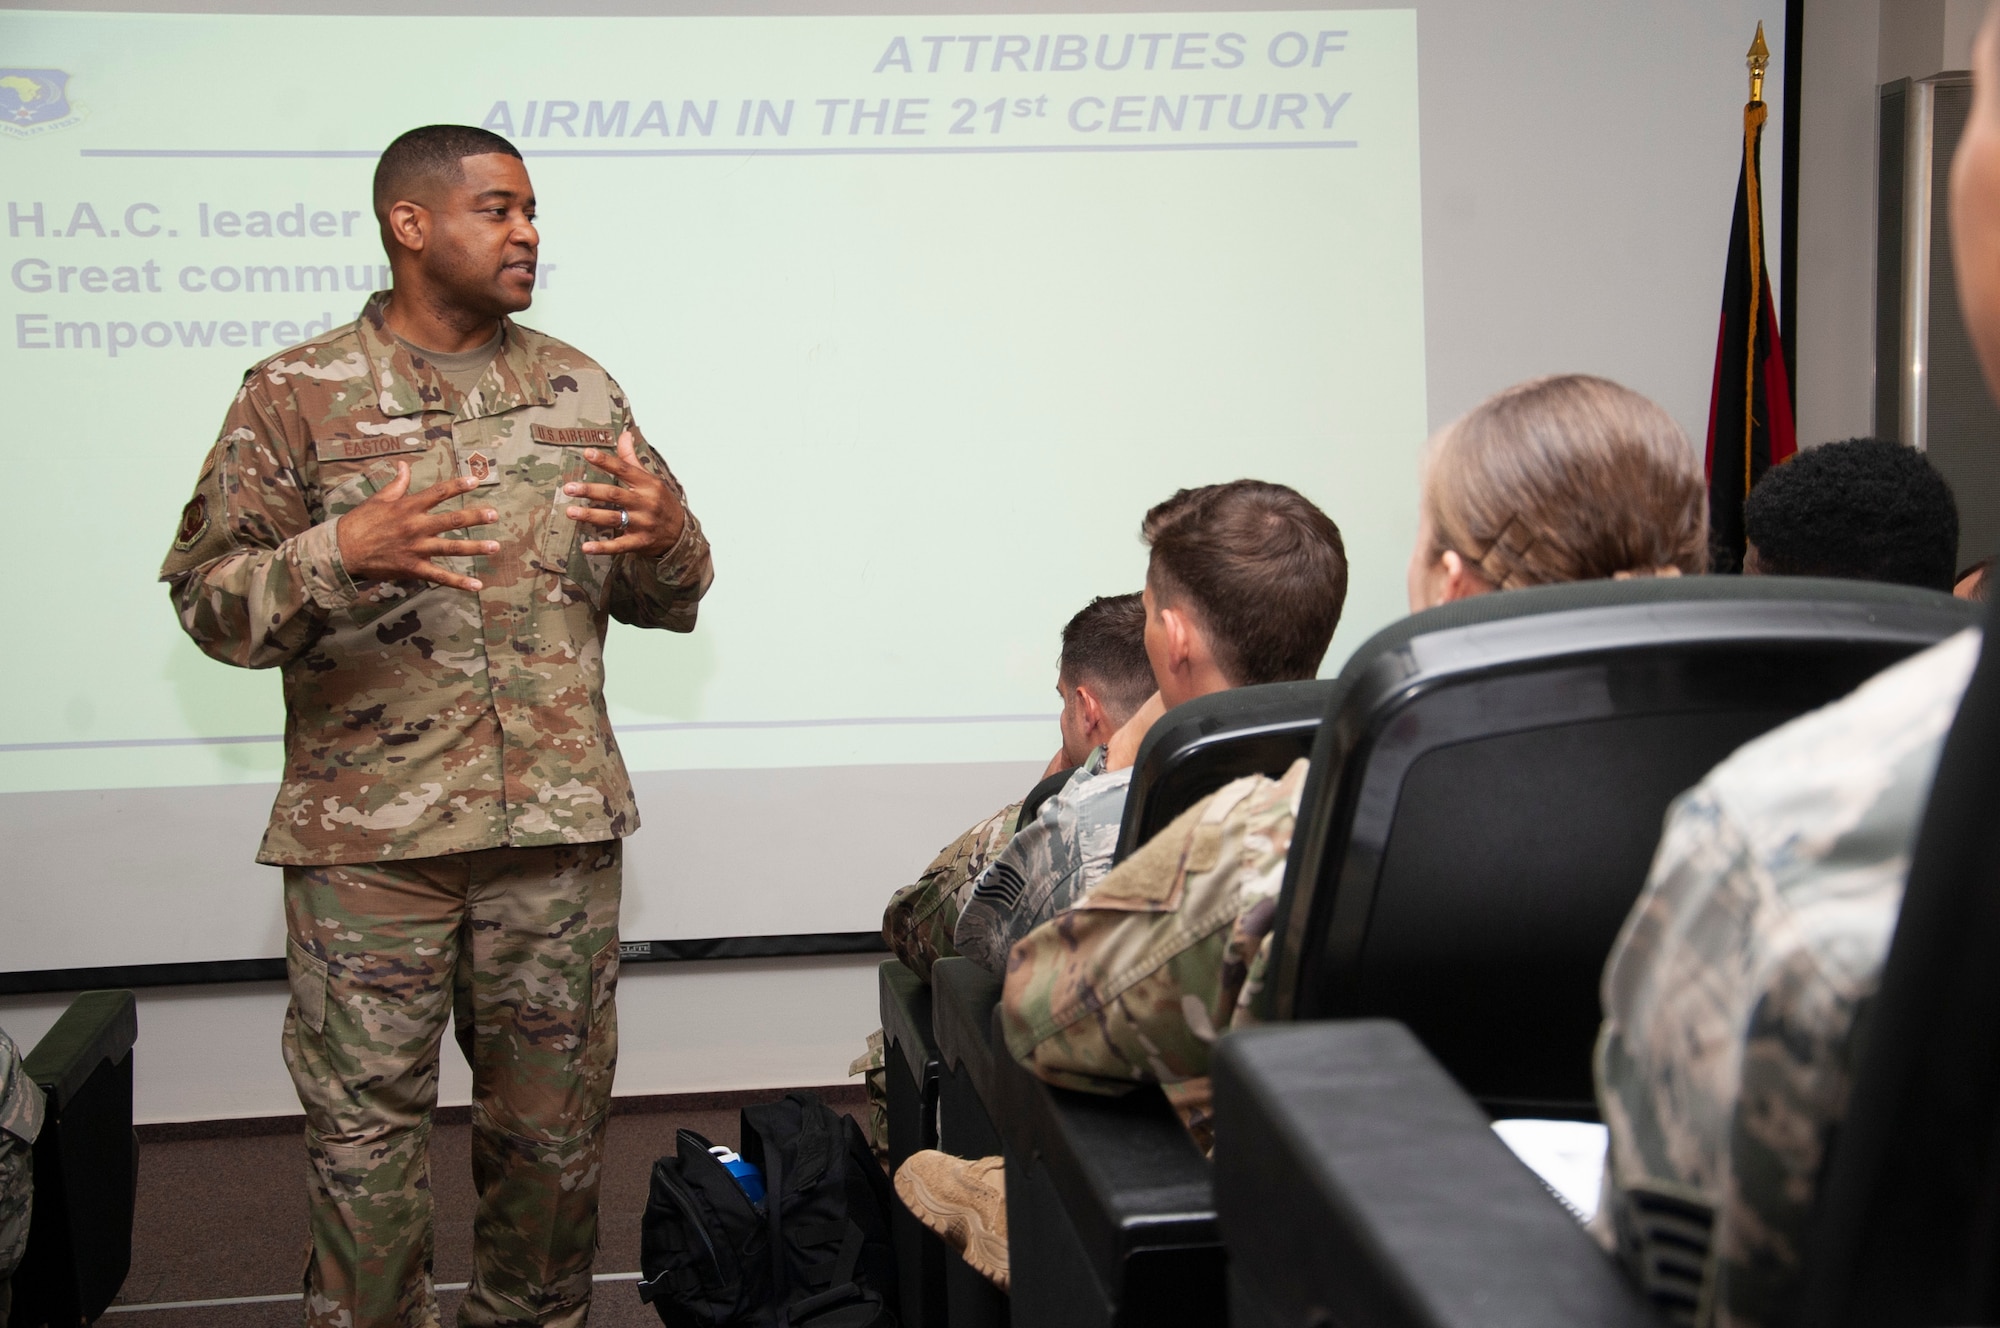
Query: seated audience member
1554,480
1244,585
1864,510
1975,582
1559,479
1730,999
1103,677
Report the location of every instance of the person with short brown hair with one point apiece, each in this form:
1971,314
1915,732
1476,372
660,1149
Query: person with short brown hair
1244,585
1262,569
1554,480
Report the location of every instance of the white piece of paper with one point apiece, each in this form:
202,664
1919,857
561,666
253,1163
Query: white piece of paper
1568,1156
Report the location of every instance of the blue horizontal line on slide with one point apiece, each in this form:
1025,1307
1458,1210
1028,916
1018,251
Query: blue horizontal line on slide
969,149
679,726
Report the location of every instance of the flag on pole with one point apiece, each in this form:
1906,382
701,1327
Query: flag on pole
1750,405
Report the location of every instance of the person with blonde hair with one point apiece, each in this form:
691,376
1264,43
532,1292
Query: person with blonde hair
1566,478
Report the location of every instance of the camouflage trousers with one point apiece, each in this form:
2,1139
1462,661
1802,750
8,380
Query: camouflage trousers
518,950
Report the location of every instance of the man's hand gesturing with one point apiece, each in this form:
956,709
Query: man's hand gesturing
645,513
395,534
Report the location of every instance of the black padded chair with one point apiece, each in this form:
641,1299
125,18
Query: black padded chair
1356,1183
964,998
910,1063
913,1071
86,1164
1089,1244
1199,746
1486,795
1485,802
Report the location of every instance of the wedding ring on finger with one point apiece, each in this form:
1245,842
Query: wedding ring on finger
624,518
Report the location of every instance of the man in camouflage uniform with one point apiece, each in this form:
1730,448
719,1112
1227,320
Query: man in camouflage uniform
20,1123
1103,677
1726,1056
1134,983
922,917
1244,585
1064,851
453,799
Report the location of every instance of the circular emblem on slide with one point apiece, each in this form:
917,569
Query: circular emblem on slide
479,466
35,101
194,520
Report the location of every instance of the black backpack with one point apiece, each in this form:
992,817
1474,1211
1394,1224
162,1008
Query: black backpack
815,1254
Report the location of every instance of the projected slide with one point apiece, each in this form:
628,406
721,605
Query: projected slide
925,312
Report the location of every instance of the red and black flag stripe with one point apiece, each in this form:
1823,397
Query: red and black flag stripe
1750,406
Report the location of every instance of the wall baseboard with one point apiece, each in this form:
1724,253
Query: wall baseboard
38,981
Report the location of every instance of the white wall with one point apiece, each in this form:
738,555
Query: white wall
211,1053
1834,331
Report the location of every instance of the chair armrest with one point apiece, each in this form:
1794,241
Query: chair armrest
905,1003
1357,1183
1133,1193
963,998
98,1026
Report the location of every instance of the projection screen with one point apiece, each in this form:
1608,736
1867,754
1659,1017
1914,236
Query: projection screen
924,309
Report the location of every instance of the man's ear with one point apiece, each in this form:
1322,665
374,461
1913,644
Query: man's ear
1090,710
1180,637
409,225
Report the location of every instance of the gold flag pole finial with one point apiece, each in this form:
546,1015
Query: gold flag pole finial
1760,55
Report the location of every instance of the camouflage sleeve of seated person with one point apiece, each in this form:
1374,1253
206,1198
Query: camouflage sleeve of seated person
920,919
1135,982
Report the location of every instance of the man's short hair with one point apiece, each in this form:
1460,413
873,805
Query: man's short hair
1105,645
1261,569
432,153
1863,509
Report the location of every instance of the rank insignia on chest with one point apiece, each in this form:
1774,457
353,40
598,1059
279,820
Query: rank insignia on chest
480,469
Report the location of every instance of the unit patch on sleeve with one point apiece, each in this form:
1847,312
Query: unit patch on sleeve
194,522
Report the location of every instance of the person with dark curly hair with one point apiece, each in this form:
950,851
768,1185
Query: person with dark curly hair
1862,510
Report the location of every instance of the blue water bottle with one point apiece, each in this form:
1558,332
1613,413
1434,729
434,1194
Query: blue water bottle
747,1175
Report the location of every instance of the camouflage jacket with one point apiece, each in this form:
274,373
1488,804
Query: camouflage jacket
921,917
1730,998
422,720
1047,866
20,1099
1135,982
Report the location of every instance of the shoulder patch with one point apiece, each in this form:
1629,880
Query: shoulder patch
194,523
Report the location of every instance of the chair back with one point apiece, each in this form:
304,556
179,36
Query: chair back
1489,787
1200,745
86,1163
